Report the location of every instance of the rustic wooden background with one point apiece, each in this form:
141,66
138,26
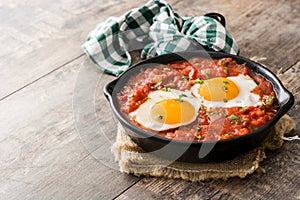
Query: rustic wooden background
42,155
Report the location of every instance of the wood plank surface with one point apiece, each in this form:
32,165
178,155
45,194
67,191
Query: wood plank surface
43,155
45,35
37,37
290,79
261,28
55,142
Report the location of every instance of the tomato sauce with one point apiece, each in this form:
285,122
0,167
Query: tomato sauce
212,123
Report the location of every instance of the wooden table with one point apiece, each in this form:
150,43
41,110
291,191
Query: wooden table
43,152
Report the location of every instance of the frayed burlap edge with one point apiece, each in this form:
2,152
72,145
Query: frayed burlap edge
132,159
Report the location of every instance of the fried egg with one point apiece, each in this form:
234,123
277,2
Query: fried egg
227,92
165,110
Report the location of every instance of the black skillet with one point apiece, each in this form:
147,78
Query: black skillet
198,151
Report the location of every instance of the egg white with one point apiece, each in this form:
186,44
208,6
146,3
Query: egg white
245,97
143,114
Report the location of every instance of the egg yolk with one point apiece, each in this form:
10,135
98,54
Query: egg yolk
173,111
218,89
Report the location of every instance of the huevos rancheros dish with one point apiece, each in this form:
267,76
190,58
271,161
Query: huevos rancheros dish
198,100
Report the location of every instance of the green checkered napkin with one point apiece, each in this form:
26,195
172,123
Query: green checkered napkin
160,29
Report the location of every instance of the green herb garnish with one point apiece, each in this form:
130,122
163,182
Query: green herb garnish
225,63
137,104
215,112
226,70
199,137
156,85
199,81
242,108
185,77
269,100
179,99
225,100
203,107
166,89
207,72
160,117
224,88
233,117
166,68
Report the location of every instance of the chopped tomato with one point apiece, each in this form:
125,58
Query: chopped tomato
211,123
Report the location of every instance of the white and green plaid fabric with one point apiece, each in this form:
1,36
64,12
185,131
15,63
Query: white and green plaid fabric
160,29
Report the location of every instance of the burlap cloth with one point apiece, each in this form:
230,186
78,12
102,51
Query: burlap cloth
131,158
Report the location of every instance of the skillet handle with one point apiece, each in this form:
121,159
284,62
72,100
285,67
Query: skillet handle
108,89
217,16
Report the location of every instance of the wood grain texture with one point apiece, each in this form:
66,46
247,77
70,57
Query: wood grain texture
37,37
42,152
290,79
52,149
261,28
